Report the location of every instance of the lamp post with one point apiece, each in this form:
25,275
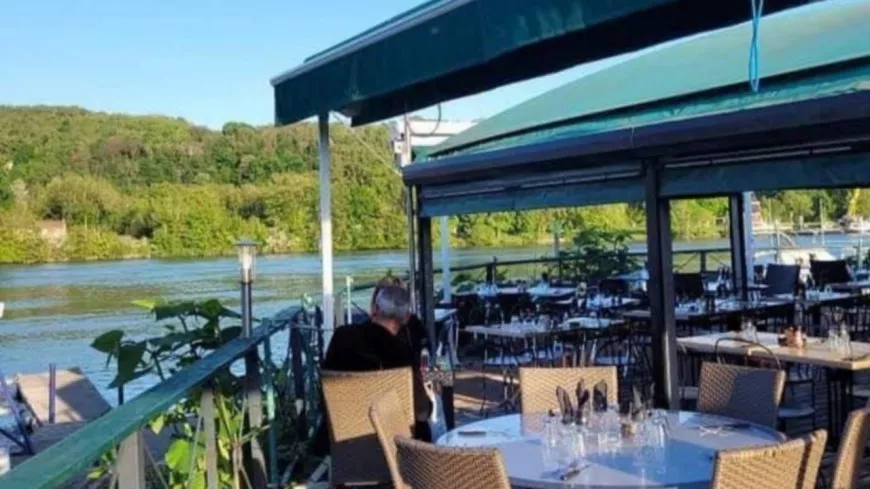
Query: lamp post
247,255
256,462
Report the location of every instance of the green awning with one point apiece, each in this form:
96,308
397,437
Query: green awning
807,127
446,49
689,77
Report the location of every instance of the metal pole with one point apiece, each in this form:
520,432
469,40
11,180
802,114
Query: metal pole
427,293
404,158
661,291
257,465
737,235
326,230
348,307
445,260
749,237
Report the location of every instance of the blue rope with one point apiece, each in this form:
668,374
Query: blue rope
754,78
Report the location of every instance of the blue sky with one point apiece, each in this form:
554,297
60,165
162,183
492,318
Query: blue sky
206,61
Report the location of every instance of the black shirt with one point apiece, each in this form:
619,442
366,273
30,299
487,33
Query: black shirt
369,346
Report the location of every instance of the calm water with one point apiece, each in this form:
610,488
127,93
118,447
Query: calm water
54,311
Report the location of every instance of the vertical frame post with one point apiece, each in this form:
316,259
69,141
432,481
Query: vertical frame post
326,229
446,284
737,236
426,278
131,462
661,290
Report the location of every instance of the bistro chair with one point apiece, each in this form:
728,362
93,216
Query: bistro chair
388,418
747,393
687,377
830,272
538,385
787,465
851,451
428,466
781,279
688,285
357,457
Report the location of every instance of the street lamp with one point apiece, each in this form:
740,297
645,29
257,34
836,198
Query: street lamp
247,255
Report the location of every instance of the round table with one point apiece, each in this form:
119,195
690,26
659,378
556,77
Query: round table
685,460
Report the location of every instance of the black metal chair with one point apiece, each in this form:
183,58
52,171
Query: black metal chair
690,285
830,272
781,279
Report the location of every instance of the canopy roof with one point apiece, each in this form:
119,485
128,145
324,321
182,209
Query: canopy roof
800,39
446,49
685,105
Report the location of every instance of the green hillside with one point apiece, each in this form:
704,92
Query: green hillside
132,186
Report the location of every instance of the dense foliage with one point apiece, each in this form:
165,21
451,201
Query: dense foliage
155,186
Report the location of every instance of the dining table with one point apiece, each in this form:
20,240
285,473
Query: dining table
839,365
680,456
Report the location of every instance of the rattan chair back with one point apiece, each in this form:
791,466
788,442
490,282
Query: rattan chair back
772,467
851,451
538,385
388,418
816,444
746,393
357,457
427,466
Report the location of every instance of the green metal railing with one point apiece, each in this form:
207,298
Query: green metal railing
122,427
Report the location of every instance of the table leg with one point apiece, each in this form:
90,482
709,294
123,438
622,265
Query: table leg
839,394
449,410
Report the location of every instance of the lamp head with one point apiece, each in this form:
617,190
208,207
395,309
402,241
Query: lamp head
247,256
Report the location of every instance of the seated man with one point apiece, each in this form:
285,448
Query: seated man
390,339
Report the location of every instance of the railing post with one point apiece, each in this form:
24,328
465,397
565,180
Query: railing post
298,371
208,416
703,262
257,469
131,462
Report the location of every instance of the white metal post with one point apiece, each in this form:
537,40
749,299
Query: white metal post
326,231
445,260
749,245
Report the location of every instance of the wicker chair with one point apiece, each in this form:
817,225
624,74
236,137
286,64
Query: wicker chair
387,417
774,467
538,385
851,450
816,444
357,457
747,393
427,466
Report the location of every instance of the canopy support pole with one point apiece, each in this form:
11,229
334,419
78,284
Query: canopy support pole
737,235
426,295
661,291
328,310
749,242
446,284
405,157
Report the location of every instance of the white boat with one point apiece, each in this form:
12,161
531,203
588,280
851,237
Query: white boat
859,226
2,309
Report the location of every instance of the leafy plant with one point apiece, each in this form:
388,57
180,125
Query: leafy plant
198,332
596,254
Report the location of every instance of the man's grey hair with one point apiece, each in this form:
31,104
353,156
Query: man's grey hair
393,302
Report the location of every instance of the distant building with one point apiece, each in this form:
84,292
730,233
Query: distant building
53,231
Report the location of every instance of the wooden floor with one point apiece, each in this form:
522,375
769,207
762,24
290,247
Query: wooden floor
479,395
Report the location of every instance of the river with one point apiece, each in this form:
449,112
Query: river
53,311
